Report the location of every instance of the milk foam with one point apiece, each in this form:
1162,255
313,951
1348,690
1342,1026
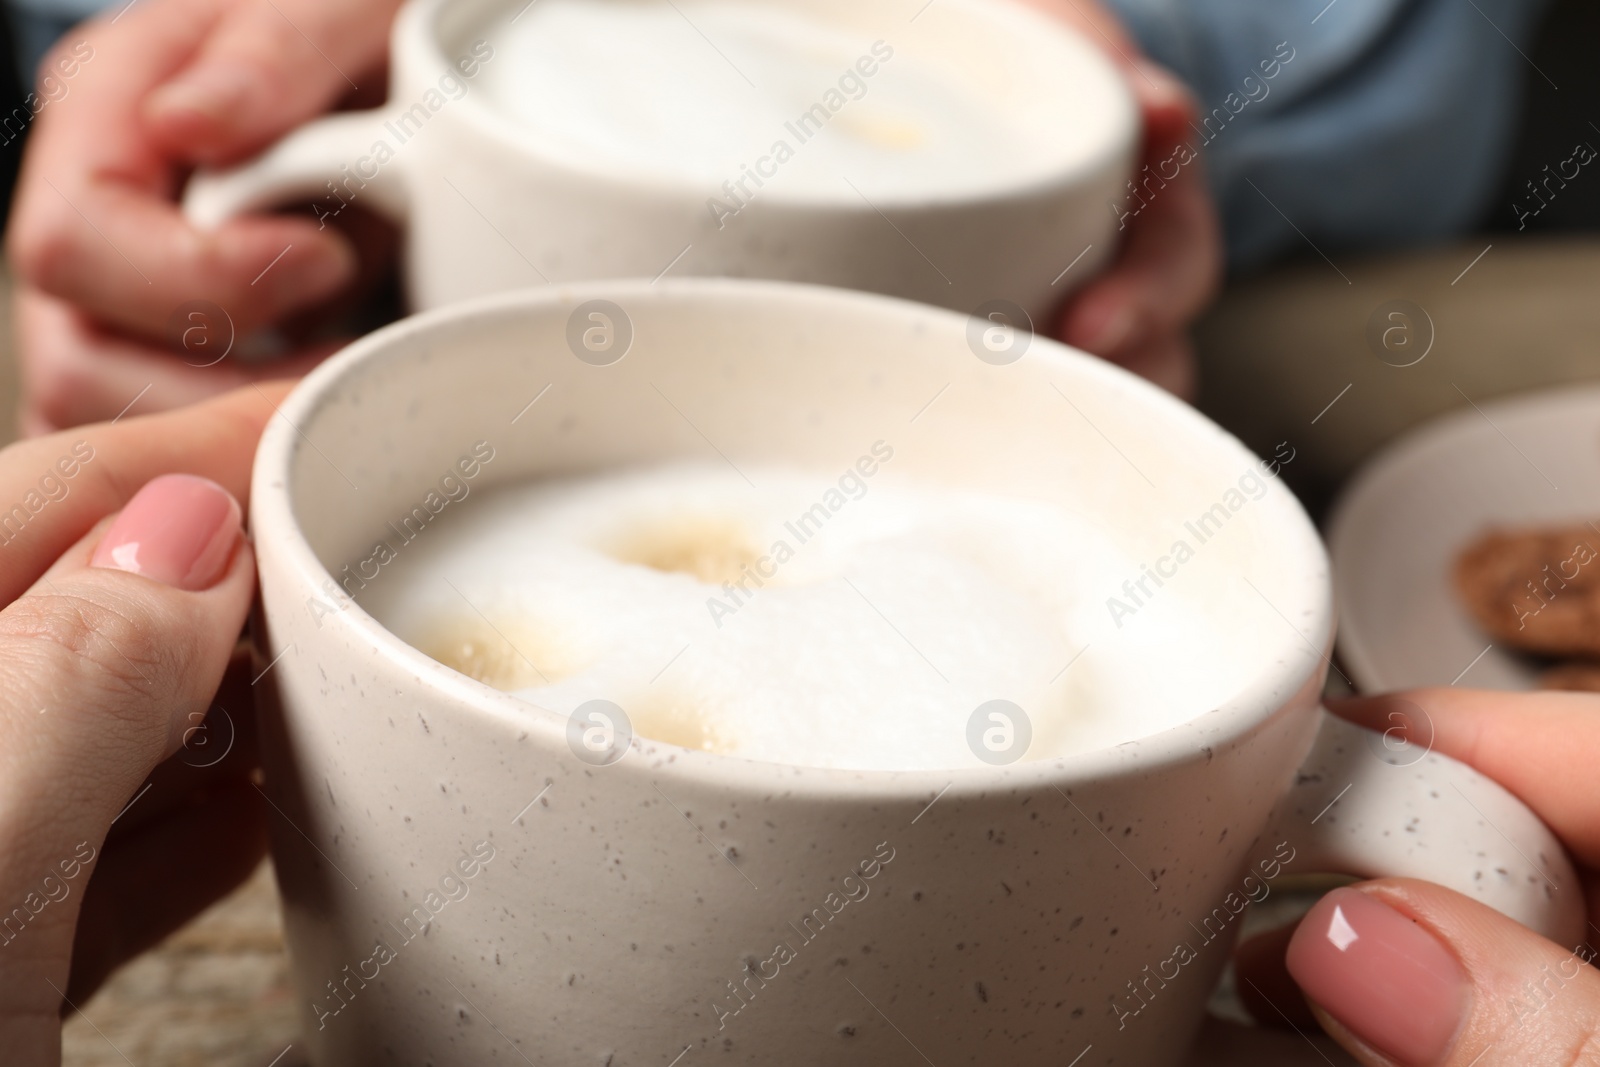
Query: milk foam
648,90
864,635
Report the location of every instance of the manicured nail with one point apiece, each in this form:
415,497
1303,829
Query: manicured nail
1381,974
179,530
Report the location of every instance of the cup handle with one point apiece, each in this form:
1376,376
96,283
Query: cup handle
1368,806
335,149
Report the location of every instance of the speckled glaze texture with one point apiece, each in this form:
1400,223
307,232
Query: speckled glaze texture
486,210
461,888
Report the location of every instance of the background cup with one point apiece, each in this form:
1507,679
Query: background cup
462,870
487,208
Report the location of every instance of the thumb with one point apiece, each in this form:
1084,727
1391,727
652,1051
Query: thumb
1408,973
268,66
99,671
103,661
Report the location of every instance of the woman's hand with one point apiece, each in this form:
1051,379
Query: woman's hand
1409,973
125,577
1137,312
108,268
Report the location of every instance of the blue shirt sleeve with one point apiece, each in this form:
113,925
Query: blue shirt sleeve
1388,124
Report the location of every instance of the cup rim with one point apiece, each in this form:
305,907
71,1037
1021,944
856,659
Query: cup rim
1280,688
416,38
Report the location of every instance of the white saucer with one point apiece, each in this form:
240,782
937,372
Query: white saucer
1396,530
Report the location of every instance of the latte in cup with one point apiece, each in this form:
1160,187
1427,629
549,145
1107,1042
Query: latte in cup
954,154
791,617
742,99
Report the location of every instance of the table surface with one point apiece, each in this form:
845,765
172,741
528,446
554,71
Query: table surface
215,994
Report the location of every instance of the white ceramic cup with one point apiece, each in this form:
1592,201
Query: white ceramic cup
457,876
487,208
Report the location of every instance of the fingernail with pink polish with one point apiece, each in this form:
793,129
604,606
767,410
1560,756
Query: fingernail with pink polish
179,530
1381,974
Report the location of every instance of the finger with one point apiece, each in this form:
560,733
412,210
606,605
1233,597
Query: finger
1170,264
218,749
99,667
216,838
76,372
269,66
94,220
54,489
1405,972
126,256
104,659
1543,747
197,812
1169,268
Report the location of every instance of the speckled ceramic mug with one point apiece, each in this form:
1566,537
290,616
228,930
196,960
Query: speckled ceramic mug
461,887
488,207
